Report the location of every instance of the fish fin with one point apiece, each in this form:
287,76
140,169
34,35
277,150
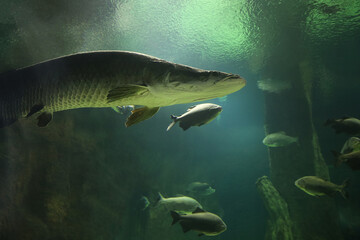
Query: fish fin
147,202
308,192
160,197
141,114
190,108
338,159
185,227
36,108
184,126
125,91
44,119
343,192
174,118
201,234
176,217
198,210
116,109
200,124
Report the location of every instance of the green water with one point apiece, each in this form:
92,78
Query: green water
83,176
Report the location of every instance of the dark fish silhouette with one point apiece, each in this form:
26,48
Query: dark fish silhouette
351,159
200,188
347,125
204,222
197,115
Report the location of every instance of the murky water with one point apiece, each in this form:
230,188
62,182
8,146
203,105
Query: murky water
84,175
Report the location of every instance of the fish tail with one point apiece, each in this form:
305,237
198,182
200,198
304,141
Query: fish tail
176,217
343,192
160,197
338,158
7,115
7,102
17,96
147,202
175,119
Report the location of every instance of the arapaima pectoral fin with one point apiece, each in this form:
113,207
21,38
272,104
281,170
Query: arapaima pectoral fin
36,108
44,119
184,125
141,114
125,91
175,119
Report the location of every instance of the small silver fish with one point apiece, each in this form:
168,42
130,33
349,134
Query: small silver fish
279,139
200,188
197,115
204,222
181,204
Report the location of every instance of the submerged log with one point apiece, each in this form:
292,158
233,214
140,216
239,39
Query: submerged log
291,111
279,224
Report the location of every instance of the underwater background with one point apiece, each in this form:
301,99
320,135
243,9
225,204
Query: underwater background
84,175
